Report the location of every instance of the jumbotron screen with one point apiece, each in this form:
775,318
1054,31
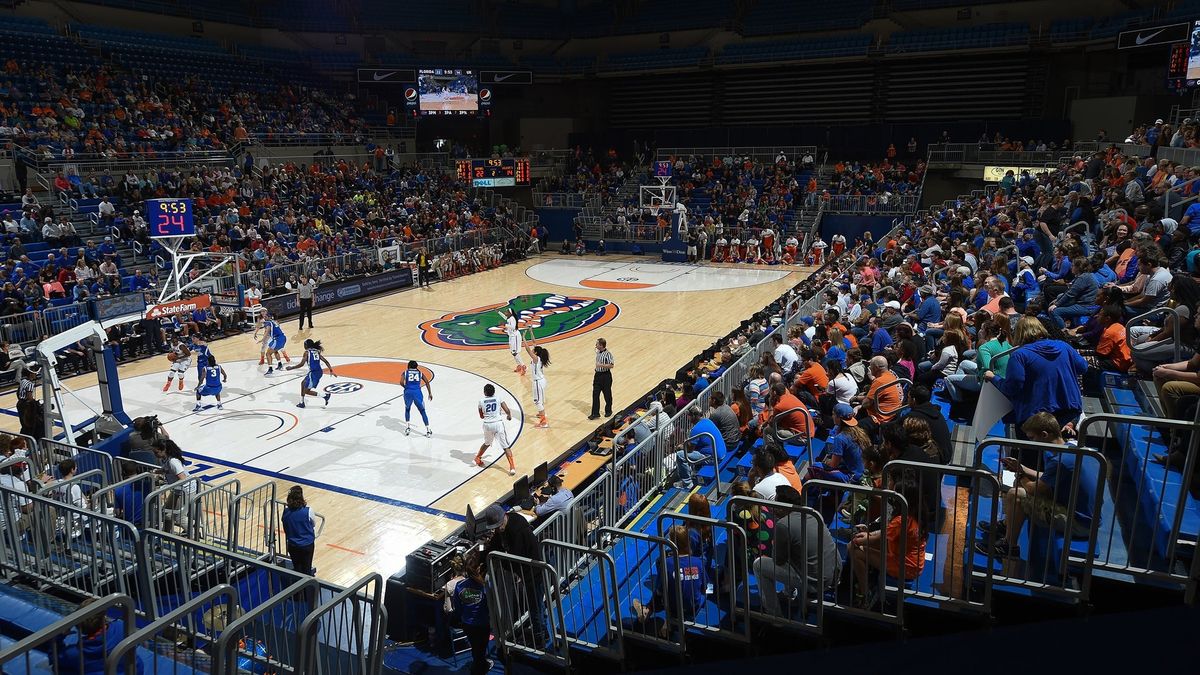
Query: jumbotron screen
448,91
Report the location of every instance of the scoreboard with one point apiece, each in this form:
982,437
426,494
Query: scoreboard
1177,67
170,217
509,172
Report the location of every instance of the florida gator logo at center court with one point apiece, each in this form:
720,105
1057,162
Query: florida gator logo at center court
549,316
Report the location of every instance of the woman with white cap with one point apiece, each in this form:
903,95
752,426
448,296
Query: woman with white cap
1025,285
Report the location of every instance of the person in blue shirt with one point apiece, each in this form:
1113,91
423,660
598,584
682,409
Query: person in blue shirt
469,601
86,650
880,338
107,247
1078,300
1025,286
313,358
1191,219
201,352
300,530
139,282
554,498
929,311
1042,375
705,439
1044,498
843,458
129,501
1103,273
414,378
214,377
684,568
273,342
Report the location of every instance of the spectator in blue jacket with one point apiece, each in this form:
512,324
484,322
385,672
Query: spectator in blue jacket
1079,299
300,528
929,311
1042,375
84,651
1025,285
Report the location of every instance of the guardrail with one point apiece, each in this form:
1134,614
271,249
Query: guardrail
872,204
985,153
794,153
43,651
558,200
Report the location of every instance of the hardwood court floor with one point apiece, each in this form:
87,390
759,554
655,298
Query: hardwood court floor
380,510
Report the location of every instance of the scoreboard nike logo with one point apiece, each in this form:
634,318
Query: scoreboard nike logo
1142,39
501,78
382,76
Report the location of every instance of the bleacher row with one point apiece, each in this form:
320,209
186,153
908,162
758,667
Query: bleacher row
596,19
612,547
188,79
190,581
165,54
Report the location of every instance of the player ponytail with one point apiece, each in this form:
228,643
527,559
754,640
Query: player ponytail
314,344
543,354
412,364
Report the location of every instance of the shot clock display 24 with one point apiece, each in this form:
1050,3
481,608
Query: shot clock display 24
507,172
170,217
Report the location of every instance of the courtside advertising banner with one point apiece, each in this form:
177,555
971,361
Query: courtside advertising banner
336,292
181,305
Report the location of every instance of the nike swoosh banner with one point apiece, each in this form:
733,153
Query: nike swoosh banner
387,75
1154,35
505,77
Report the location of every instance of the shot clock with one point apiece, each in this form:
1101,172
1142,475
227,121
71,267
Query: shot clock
170,217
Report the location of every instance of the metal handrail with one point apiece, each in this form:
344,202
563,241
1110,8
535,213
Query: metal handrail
773,423
226,651
71,621
1175,328
667,551
716,460
904,384
126,650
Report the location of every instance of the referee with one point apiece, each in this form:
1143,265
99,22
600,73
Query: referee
602,380
29,408
422,268
305,290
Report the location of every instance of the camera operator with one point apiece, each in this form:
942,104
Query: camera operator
146,431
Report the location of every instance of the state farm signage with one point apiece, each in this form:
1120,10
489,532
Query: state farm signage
183,305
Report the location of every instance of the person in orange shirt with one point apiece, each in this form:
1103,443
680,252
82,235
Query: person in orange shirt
812,378
879,405
1113,348
799,422
865,550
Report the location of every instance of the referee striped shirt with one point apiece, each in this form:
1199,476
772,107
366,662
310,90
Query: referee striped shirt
604,358
26,389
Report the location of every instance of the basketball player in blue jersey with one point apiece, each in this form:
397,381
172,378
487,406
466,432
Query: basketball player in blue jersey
413,379
200,349
273,342
313,358
210,382
490,408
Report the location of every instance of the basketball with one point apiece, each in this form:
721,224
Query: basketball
171,357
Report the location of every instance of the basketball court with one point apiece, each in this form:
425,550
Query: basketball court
449,102
384,493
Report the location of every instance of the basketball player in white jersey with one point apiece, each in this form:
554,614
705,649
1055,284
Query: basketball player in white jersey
490,408
539,360
181,361
514,340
